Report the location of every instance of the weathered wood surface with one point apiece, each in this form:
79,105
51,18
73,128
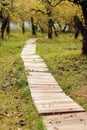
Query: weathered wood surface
48,96
72,121
37,69
34,57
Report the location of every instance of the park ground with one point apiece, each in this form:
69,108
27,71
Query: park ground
65,62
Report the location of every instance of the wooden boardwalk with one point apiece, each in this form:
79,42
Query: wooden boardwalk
59,111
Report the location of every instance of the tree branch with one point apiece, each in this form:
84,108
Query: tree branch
38,10
57,3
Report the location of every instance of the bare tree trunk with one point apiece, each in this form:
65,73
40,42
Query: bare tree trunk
83,28
83,31
76,33
55,31
33,26
23,28
84,47
42,30
50,24
8,26
4,24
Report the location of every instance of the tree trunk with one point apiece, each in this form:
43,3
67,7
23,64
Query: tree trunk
55,31
50,24
64,29
3,27
33,26
23,28
8,26
76,33
42,30
84,10
84,47
83,31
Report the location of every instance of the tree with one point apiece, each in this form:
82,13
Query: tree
20,13
82,26
48,11
5,17
65,16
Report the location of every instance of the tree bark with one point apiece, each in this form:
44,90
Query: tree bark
50,24
33,26
8,26
3,27
83,31
55,31
83,28
84,10
23,28
41,28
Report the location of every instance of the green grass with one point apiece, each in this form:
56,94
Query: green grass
17,111
65,62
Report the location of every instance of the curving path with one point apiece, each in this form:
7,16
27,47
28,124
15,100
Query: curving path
59,111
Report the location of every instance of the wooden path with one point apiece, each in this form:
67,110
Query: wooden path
59,111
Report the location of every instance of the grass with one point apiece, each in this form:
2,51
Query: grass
65,62
17,111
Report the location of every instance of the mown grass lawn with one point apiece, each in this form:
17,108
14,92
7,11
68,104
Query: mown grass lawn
17,111
69,67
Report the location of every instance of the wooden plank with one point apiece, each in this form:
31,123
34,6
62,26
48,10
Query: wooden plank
41,82
33,57
45,91
40,75
28,50
36,74
30,46
44,87
59,110
32,60
36,69
52,101
50,96
28,54
60,105
35,65
42,78
46,80
72,121
49,89
60,100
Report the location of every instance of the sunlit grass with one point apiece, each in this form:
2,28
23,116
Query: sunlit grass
69,67
16,106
